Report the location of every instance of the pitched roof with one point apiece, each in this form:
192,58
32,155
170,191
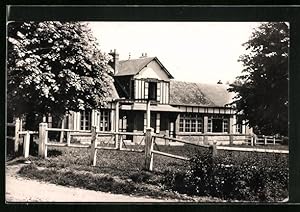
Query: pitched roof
134,66
114,94
200,94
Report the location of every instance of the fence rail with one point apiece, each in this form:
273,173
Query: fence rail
170,155
252,149
180,141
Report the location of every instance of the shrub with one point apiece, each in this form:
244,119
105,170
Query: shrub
140,176
254,177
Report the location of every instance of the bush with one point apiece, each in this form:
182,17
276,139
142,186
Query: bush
140,176
254,177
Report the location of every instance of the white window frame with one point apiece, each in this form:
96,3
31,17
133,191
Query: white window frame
85,120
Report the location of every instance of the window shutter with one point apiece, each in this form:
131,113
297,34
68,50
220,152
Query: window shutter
146,89
158,91
167,93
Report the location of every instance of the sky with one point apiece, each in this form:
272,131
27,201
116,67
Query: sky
203,52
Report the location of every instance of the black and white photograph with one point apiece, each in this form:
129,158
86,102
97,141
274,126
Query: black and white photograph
147,111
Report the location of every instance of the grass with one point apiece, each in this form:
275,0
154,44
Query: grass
122,172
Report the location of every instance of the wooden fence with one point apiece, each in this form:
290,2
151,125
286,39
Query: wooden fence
116,137
265,140
18,133
118,144
150,141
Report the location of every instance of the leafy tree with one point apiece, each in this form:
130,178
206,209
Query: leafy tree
54,67
262,90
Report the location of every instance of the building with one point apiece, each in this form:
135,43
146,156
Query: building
177,109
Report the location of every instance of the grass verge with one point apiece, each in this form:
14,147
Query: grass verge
122,172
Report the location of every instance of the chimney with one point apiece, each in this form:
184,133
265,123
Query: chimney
143,55
115,61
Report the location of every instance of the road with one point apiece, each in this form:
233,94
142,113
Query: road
19,189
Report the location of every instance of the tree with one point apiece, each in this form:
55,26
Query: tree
262,90
54,67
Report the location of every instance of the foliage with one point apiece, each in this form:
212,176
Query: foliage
54,67
262,90
255,178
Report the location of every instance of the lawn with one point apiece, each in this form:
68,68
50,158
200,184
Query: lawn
122,171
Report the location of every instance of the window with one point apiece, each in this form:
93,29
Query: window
181,124
218,124
209,125
225,125
190,123
187,127
238,126
104,120
85,120
152,91
193,127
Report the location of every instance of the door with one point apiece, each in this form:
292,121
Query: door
217,125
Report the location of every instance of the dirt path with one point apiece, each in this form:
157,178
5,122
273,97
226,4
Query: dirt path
19,189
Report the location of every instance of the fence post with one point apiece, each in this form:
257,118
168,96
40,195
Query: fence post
213,153
43,137
230,139
61,137
205,139
26,145
252,138
213,150
17,129
265,141
148,149
274,140
68,138
121,142
93,146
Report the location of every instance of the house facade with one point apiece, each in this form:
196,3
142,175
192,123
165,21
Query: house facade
145,94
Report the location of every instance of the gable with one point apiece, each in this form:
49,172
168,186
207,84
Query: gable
152,70
135,66
132,67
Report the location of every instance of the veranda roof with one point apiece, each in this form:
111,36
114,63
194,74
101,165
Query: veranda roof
143,107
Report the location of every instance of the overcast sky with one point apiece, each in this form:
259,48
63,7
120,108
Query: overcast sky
191,51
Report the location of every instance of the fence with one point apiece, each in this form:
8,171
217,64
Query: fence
265,140
18,133
150,141
115,142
